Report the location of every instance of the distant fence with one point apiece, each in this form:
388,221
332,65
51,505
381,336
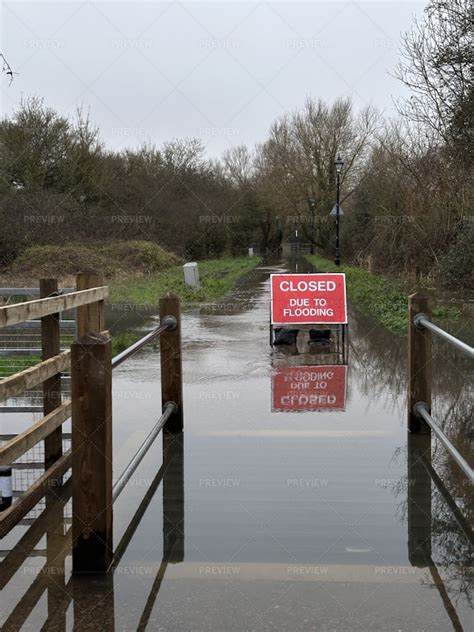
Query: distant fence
25,337
90,456
420,330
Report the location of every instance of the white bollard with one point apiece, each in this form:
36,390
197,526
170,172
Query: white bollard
191,275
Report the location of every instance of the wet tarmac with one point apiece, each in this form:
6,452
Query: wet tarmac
275,512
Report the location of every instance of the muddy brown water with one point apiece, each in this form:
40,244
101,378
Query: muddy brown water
266,520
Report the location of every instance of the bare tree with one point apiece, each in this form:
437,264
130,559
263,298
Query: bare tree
183,154
297,161
238,165
437,61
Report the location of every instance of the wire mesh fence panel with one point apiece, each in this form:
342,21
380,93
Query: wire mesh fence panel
20,345
27,469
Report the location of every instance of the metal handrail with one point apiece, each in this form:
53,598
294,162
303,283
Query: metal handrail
421,409
422,320
168,323
168,409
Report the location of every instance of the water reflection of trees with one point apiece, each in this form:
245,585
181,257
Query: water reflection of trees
435,535
380,361
453,552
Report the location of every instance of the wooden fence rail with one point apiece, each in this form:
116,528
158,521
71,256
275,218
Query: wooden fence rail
31,377
21,312
25,440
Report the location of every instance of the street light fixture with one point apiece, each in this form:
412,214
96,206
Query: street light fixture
312,209
339,164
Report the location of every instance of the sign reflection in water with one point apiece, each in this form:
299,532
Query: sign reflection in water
309,388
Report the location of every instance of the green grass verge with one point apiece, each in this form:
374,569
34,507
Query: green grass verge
122,341
217,277
376,296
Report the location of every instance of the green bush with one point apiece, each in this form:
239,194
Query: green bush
456,266
139,256
113,259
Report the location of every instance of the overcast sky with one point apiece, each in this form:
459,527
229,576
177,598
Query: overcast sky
220,71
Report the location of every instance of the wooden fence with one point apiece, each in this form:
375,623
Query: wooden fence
90,406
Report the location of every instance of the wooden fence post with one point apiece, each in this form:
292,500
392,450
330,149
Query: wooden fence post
171,362
51,346
419,361
90,317
91,367
173,497
419,500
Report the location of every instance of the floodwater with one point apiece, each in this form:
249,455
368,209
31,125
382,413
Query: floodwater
271,515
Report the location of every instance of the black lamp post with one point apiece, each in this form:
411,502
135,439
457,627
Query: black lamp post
339,163
312,209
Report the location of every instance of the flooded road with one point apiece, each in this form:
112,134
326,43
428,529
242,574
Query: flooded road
269,518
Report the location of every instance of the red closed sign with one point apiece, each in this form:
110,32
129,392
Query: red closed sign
311,388
308,299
